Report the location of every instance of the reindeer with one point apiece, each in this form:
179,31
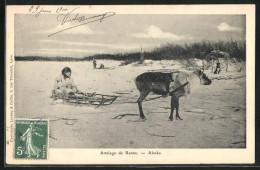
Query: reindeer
175,84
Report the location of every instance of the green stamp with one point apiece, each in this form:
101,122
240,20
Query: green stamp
31,139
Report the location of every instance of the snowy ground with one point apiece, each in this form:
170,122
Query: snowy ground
213,117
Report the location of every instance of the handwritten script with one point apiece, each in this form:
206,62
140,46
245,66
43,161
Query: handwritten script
70,16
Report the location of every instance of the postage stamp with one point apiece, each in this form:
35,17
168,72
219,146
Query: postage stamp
31,139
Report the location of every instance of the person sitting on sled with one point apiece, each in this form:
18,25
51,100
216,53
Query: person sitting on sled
64,83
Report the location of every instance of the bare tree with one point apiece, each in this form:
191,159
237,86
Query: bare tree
141,61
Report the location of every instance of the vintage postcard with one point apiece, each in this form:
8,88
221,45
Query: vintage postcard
130,84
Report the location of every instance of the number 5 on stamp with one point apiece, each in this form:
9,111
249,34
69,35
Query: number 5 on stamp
31,139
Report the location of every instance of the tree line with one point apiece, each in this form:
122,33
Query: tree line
167,51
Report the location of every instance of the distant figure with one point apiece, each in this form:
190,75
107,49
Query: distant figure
217,71
94,63
101,66
64,83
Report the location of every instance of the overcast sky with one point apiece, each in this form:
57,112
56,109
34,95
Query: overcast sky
120,33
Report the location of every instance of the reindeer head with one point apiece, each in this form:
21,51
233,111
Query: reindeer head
204,80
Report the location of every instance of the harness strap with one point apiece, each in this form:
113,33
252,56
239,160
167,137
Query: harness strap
153,98
181,86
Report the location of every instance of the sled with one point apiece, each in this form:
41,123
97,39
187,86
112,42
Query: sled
87,98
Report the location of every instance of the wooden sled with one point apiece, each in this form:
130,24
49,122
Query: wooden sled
87,98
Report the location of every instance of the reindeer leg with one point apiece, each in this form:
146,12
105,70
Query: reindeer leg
172,108
177,109
140,100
